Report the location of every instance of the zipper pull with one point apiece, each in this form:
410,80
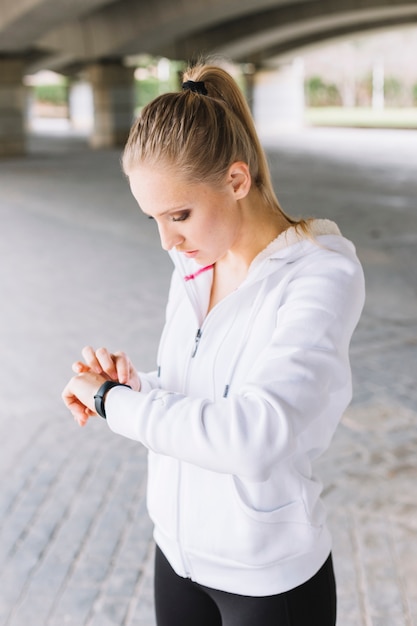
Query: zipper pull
196,342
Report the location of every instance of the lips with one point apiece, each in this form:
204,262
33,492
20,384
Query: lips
190,254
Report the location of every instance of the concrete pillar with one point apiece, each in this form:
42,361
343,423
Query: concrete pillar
81,107
278,98
378,80
12,107
113,97
249,73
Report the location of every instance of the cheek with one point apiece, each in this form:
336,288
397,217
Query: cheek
226,225
217,225
216,231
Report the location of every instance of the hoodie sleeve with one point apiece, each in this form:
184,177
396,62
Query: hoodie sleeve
292,399
148,381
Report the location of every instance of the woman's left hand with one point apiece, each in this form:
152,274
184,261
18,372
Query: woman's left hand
78,395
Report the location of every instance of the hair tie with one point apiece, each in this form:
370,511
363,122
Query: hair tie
195,87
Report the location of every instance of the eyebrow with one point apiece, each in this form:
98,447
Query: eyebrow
171,210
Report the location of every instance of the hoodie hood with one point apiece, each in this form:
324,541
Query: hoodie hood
286,248
281,247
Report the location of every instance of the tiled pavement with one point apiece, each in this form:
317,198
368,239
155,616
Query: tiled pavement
80,265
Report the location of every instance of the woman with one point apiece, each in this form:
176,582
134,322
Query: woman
253,370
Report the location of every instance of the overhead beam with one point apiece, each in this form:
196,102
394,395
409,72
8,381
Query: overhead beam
266,56
130,27
242,30
251,38
22,23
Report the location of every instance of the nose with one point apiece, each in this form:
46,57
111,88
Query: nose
169,237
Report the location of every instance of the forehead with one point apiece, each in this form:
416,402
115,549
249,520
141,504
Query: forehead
153,185
159,189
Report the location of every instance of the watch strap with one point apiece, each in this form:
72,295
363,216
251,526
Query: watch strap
101,393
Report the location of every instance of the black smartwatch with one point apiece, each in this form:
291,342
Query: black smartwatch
101,393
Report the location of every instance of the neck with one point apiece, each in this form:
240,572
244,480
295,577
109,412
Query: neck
260,225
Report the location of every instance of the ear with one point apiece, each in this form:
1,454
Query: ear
240,179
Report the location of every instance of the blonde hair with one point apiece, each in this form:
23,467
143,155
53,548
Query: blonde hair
201,136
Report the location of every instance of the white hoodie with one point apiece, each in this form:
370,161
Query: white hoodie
245,398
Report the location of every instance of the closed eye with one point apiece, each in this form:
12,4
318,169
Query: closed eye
175,218
182,217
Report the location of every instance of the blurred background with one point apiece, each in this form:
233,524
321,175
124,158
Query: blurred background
333,90
363,81
90,66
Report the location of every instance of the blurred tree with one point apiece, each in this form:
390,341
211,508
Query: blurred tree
321,94
51,94
395,94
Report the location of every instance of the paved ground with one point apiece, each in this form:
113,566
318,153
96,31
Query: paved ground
80,265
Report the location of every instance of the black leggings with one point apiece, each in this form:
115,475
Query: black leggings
181,602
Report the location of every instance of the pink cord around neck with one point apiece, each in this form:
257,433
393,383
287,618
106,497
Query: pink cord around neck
200,271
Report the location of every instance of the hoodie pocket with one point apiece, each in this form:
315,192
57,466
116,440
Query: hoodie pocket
289,512
222,524
271,532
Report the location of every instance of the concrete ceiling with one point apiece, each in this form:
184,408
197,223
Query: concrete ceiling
64,35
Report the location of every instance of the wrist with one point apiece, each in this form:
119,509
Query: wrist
100,396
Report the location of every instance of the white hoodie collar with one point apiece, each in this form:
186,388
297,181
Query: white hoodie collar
280,247
294,235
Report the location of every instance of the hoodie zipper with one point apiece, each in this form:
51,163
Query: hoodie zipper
180,525
196,342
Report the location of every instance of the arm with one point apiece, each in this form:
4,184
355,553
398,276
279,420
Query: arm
294,395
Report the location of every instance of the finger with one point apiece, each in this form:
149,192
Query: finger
106,361
123,367
89,356
83,419
79,367
126,371
77,409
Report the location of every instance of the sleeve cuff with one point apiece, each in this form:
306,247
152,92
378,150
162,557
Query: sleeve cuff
122,404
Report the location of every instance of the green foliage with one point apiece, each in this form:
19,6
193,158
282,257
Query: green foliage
320,93
148,84
415,94
146,90
393,91
52,94
396,94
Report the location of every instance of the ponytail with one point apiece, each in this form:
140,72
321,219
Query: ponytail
200,131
